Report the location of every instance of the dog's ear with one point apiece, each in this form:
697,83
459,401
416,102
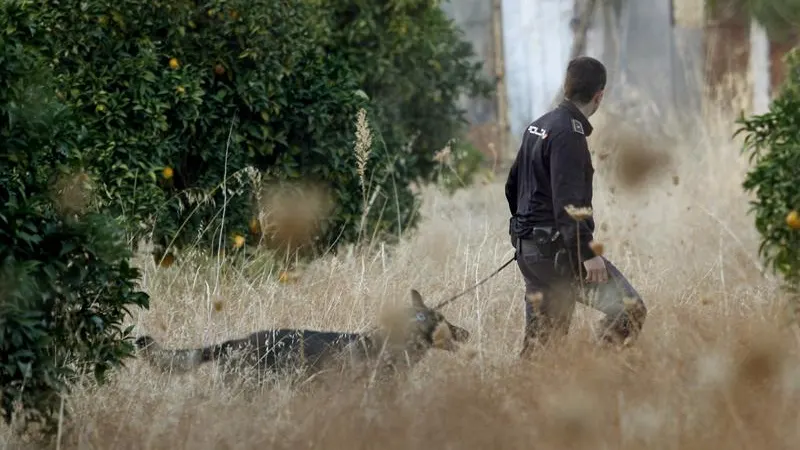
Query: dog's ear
442,337
416,299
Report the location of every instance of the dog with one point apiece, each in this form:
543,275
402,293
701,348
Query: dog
395,347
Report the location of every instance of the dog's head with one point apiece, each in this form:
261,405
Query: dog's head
432,327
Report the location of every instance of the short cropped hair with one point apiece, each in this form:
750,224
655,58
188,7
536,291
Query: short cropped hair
585,77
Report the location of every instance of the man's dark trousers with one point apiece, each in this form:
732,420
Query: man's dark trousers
550,299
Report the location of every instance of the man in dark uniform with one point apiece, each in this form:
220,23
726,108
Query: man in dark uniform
551,175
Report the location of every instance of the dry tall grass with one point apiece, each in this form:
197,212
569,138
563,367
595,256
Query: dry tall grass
712,369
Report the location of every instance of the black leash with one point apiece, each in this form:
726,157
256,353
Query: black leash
444,303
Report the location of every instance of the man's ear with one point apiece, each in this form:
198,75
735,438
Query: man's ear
599,96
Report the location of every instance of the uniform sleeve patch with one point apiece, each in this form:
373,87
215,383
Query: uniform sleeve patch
577,126
541,132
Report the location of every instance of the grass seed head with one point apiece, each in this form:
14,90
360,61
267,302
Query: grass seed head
578,213
535,300
597,248
293,214
72,193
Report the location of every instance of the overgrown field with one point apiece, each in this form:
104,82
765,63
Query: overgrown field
713,368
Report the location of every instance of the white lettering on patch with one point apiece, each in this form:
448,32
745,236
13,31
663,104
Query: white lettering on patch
541,132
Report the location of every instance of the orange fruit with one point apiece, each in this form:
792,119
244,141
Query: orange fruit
793,219
173,63
219,69
238,241
283,277
286,276
167,172
167,260
255,226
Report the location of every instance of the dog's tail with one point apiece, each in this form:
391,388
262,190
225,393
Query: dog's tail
175,360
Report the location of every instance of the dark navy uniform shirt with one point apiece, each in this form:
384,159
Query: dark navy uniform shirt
553,169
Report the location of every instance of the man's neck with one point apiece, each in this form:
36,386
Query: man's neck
586,109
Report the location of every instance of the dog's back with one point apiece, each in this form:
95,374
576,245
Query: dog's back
279,350
304,351
286,349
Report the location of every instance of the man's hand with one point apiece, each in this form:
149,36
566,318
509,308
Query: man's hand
596,270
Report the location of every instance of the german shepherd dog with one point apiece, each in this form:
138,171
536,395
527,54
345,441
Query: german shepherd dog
307,353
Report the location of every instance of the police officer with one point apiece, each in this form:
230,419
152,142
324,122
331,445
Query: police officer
553,171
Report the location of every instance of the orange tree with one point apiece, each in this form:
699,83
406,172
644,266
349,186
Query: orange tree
413,62
203,89
65,281
176,98
773,143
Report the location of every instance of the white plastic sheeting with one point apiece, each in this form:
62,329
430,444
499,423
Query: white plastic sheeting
537,41
759,67
474,17
654,65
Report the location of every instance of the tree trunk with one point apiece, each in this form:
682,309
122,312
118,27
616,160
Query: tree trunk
579,42
500,77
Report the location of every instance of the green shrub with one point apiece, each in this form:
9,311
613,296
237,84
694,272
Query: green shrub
413,61
204,89
773,143
459,164
269,84
65,281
